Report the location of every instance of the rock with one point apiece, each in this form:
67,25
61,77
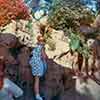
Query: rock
61,45
96,48
66,61
28,35
24,68
53,83
97,75
4,51
24,38
90,42
8,39
57,80
44,20
96,23
90,88
9,28
87,30
9,59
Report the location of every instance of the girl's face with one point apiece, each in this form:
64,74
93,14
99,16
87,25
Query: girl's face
40,39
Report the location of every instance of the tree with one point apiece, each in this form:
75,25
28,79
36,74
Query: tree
67,14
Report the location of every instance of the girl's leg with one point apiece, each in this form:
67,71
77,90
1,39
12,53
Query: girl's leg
36,85
36,88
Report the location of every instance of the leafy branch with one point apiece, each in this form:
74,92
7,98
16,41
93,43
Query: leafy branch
77,44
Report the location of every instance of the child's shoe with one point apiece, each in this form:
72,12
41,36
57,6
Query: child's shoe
38,97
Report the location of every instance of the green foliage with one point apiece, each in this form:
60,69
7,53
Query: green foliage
74,42
67,14
29,26
78,44
85,51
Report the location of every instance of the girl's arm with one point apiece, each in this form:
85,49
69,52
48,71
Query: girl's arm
44,55
1,82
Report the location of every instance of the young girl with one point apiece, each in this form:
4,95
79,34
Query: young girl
38,63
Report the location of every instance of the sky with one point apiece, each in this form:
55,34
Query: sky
91,4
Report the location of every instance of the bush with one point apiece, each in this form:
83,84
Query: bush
12,9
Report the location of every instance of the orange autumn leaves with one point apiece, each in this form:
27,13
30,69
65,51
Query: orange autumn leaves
12,9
